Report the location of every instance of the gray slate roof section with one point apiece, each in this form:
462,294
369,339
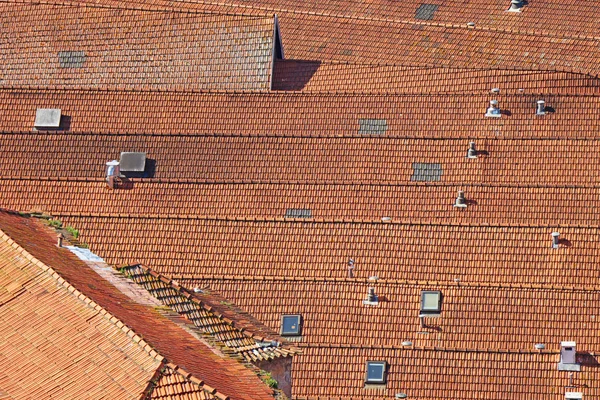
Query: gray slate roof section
426,172
369,126
298,213
71,59
426,11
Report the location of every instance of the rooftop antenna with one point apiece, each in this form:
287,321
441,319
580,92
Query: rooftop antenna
472,153
350,268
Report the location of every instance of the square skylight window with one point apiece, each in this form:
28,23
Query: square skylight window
290,325
375,372
431,301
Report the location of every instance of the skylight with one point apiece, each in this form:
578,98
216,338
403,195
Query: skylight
431,302
370,126
426,172
375,372
290,325
298,213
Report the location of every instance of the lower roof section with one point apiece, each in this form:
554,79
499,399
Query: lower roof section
435,374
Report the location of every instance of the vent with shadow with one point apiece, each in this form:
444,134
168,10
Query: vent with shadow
136,165
426,172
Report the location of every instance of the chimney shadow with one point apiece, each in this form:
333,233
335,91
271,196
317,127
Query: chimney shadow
65,123
382,299
588,360
293,75
482,153
506,112
565,242
471,202
148,172
549,110
124,184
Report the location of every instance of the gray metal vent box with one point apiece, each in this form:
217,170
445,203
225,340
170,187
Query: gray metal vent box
47,118
133,162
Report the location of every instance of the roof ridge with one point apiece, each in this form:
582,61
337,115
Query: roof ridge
323,221
404,282
431,348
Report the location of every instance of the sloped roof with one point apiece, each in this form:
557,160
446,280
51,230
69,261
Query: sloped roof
162,334
384,33
330,77
214,316
86,47
53,341
295,114
173,383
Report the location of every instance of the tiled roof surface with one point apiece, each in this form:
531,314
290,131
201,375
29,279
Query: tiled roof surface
171,385
470,253
382,34
163,333
317,76
85,47
435,116
433,374
515,317
53,343
180,161
211,314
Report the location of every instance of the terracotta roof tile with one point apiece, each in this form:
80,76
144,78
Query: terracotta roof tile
102,48
160,332
286,114
54,344
329,77
517,317
172,385
471,253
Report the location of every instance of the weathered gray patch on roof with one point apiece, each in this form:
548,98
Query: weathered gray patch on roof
71,59
372,126
426,11
426,172
298,213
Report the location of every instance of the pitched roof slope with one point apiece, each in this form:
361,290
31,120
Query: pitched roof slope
330,77
53,342
212,370
296,114
85,47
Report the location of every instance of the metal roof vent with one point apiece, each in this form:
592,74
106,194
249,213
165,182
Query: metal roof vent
541,108
471,24
407,343
493,110
495,90
133,161
555,240
568,357
112,173
461,201
372,299
350,268
540,346
401,395
515,6
472,153
573,395
47,118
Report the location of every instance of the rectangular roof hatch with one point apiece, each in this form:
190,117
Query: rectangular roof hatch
47,118
298,213
133,162
574,395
